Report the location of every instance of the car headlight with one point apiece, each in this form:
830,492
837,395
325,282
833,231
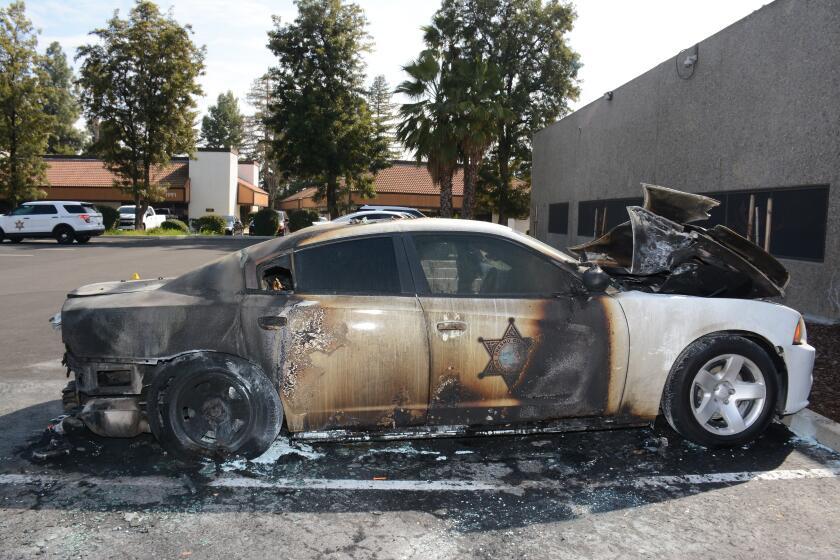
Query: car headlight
799,334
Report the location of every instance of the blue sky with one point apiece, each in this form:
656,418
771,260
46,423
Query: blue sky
617,39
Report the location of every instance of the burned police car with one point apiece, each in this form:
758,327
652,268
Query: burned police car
434,326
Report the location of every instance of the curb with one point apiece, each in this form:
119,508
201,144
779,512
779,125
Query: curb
808,424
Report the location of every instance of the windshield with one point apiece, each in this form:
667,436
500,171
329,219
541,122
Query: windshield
126,209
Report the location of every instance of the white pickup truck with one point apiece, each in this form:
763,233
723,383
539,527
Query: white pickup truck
65,221
150,220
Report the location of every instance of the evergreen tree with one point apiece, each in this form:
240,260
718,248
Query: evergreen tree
63,103
24,125
382,109
323,129
223,127
139,85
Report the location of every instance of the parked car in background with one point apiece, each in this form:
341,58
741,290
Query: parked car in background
66,221
151,220
368,216
405,209
233,225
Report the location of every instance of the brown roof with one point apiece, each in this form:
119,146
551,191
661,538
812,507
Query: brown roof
83,172
403,177
308,192
251,186
412,178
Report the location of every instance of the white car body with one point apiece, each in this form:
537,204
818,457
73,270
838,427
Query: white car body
151,220
660,327
47,218
368,216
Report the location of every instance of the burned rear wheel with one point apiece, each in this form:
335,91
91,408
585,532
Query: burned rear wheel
214,408
722,391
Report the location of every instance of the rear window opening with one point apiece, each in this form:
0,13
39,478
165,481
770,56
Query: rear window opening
76,209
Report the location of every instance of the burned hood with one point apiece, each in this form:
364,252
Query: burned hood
660,249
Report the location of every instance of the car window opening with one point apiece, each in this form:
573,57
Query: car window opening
278,279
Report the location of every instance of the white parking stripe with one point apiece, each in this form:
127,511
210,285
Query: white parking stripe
434,485
13,255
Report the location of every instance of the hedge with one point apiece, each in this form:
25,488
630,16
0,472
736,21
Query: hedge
300,219
110,216
266,222
210,224
174,224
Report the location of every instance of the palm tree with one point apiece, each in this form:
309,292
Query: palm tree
477,114
427,125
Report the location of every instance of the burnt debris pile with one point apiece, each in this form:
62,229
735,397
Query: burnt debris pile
659,249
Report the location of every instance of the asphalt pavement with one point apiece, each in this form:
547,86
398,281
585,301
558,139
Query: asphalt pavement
632,493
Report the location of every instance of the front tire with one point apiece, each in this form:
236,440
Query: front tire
214,407
721,392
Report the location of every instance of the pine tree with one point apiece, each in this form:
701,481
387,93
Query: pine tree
322,126
382,109
24,125
63,103
223,126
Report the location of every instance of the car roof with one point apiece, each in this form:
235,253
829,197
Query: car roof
340,231
40,202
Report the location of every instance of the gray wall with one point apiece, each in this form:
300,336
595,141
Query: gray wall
762,110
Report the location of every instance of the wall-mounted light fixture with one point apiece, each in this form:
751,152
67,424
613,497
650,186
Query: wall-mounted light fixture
608,96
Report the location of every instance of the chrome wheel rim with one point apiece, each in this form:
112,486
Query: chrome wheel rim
728,394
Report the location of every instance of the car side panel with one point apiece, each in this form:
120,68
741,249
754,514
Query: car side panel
662,326
343,361
571,360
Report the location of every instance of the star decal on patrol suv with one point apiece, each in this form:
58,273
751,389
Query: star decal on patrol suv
508,355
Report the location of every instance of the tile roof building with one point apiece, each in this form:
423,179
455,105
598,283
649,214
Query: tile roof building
405,183
215,182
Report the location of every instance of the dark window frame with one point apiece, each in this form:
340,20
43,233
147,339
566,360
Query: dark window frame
403,274
721,196
422,284
40,209
564,222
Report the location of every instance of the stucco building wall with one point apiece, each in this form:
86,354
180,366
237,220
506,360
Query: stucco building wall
760,111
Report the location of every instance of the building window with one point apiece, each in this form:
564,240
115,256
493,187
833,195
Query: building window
596,217
797,218
558,218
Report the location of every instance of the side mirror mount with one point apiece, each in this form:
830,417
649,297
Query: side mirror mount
595,280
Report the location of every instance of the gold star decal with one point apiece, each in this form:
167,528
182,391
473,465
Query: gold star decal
508,355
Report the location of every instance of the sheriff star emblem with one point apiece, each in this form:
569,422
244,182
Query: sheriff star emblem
508,355
19,225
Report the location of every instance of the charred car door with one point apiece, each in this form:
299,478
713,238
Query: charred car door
513,335
342,330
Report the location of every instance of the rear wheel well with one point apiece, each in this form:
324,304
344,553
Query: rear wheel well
60,227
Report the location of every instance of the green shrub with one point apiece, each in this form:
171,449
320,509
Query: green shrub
300,219
210,224
110,216
172,223
266,222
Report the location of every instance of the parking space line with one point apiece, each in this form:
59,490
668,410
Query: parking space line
13,255
233,482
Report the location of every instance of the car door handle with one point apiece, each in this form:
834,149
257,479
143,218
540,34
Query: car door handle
452,326
272,323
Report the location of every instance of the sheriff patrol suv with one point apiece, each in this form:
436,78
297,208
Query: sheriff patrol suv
62,220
